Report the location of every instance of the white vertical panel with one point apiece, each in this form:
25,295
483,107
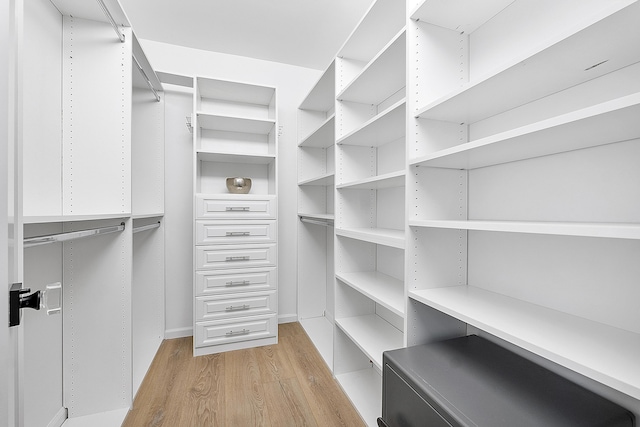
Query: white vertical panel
96,123
97,320
42,174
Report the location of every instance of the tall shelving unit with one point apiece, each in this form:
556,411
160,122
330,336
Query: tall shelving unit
316,184
235,235
92,138
523,216
369,202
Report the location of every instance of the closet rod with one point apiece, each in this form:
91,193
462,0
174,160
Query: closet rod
145,227
146,78
111,20
325,222
72,235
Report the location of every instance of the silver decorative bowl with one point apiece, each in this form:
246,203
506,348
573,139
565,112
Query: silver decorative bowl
239,185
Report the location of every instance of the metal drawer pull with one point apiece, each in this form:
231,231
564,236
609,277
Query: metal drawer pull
238,258
238,307
242,332
238,233
237,208
239,283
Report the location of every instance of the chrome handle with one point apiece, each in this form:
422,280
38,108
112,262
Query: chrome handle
238,258
239,283
238,307
242,332
237,208
238,233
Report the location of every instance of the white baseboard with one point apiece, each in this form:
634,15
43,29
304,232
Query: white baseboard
287,318
170,334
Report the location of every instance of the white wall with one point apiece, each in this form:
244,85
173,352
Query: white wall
292,83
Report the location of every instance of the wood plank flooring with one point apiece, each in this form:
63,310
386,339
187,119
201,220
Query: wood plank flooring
287,384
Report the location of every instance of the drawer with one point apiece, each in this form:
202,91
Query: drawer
236,256
246,207
242,329
227,232
233,281
237,305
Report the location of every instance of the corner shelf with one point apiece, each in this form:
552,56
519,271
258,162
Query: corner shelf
595,350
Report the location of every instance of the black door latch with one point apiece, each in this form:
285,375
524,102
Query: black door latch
18,300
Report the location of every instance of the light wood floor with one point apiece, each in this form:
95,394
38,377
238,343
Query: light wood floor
287,384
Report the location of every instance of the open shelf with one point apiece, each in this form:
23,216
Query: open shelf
321,96
47,219
595,350
236,92
320,332
584,128
235,124
545,69
380,236
383,76
605,230
385,127
323,136
372,335
323,180
459,15
388,180
381,288
364,388
255,159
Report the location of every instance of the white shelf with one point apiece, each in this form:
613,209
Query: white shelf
148,215
321,96
383,289
545,69
388,180
319,216
320,332
237,92
584,128
379,24
47,219
101,419
604,230
459,15
323,136
323,180
603,353
380,236
364,389
386,127
383,76
257,159
372,335
235,124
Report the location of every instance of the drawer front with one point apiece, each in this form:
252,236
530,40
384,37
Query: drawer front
242,305
224,232
225,282
240,208
241,329
234,256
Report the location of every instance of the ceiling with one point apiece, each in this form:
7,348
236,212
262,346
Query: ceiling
306,33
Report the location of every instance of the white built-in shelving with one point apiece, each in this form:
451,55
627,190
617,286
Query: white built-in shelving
521,217
235,235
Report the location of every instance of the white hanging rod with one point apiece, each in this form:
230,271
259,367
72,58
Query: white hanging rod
146,78
324,222
111,20
72,235
145,227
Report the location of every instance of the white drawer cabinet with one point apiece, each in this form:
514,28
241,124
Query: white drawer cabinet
245,207
220,332
233,281
236,256
236,305
215,232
